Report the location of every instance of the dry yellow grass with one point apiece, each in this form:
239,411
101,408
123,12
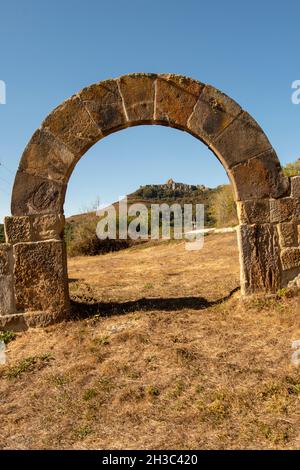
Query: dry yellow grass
180,369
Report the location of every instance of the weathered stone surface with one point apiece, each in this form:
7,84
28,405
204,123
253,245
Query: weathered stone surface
254,211
104,104
7,302
138,96
295,186
34,227
259,178
47,227
260,258
17,229
288,234
34,195
290,258
5,259
282,210
296,216
40,276
241,140
47,157
213,112
72,124
295,282
176,97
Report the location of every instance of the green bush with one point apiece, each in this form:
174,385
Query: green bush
292,169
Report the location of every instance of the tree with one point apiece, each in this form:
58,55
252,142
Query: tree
223,207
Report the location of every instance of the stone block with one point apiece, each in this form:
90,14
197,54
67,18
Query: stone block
47,227
213,112
7,301
260,258
138,93
40,276
17,229
47,157
288,234
282,210
295,186
73,126
104,104
259,178
6,260
35,195
241,140
176,97
254,211
290,258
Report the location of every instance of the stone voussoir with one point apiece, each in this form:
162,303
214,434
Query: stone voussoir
241,140
213,112
72,124
47,157
259,178
35,195
104,104
138,93
175,99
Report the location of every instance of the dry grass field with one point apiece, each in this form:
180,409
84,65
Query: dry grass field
161,354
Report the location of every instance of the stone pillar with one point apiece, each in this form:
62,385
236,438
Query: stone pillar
38,266
259,258
269,241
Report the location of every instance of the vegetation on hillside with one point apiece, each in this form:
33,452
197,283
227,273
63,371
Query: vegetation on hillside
292,169
219,205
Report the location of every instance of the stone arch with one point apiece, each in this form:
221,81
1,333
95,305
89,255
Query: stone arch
34,277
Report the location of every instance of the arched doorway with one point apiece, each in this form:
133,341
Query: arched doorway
33,284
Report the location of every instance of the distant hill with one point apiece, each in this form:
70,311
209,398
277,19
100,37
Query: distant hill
80,231
168,193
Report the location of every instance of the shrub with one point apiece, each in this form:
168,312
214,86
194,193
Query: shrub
223,207
82,240
292,169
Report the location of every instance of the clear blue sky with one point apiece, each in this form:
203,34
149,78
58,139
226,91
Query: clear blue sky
51,49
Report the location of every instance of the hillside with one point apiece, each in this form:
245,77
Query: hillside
160,354
168,193
219,209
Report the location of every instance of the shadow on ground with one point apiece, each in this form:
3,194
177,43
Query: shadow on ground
83,309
